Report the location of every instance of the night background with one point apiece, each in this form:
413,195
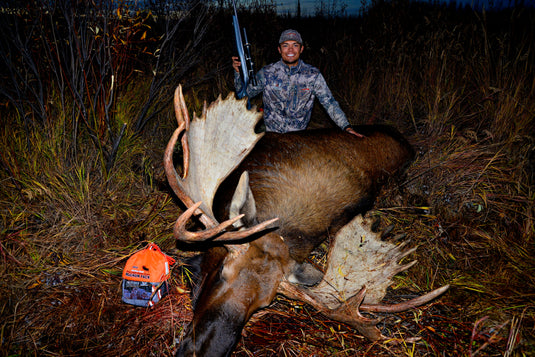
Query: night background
86,107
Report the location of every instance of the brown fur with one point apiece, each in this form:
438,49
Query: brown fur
316,181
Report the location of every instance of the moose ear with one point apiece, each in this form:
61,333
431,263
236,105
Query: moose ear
243,202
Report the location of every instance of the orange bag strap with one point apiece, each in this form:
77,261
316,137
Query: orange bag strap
154,246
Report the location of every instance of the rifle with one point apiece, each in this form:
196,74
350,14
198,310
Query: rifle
244,53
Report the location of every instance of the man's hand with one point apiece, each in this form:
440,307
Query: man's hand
351,131
236,63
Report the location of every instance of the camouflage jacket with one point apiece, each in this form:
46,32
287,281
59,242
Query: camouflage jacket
288,96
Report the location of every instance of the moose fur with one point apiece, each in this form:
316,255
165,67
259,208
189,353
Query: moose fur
316,181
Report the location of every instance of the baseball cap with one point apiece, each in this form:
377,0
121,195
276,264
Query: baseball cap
290,35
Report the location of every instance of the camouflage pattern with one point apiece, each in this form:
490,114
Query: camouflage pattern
288,96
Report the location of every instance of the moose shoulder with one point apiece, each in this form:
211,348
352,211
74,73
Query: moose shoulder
266,201
315,181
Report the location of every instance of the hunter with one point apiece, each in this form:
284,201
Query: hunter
289,87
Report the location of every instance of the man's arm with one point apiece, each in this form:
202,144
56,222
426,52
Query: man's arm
252,91
325,97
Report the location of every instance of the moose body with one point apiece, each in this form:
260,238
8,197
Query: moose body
314,182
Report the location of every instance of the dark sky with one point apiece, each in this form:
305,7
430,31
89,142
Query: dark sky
308,7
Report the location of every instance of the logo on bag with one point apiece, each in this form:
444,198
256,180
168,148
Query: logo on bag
136,275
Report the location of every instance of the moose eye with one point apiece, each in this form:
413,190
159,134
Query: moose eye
220,272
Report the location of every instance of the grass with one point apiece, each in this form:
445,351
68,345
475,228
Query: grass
459,85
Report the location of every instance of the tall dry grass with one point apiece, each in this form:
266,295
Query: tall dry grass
458,84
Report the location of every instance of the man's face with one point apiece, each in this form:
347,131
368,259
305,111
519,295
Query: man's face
290,52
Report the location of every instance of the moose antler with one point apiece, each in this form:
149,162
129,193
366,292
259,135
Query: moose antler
359,269
209,157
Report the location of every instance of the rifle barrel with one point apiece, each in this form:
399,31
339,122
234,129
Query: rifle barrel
249,59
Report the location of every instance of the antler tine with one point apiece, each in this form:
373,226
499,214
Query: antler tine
406,305
407,252
181,111
214,233
183,234
170,171
234,235
182,118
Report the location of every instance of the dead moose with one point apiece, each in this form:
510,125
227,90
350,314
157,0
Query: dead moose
277,197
